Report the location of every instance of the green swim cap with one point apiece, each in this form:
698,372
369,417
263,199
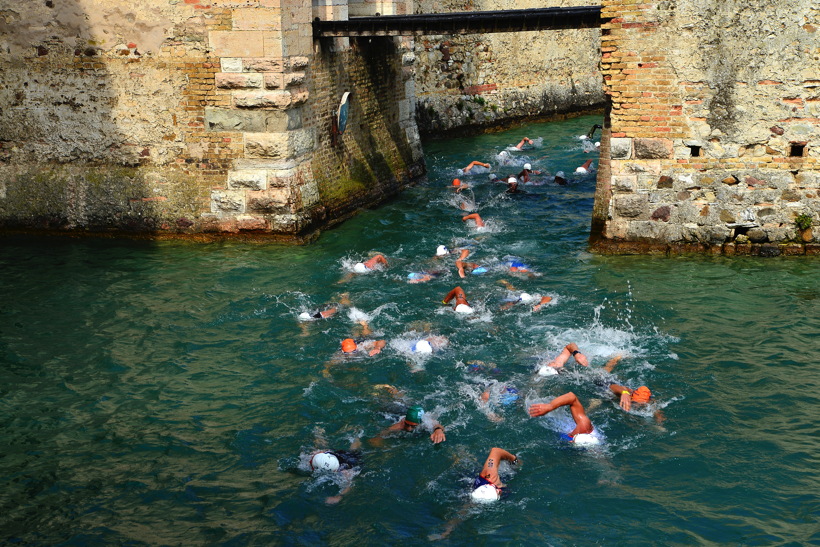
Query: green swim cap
414,414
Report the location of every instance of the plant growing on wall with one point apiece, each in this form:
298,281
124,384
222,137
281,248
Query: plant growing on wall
803,221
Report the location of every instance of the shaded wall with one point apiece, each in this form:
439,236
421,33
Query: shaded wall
485,80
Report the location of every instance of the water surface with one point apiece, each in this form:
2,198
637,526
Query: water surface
167,393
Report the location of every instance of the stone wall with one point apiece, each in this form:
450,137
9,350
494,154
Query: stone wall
485,80
193,116
711,141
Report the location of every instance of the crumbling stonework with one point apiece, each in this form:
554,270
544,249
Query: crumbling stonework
483,80
710,143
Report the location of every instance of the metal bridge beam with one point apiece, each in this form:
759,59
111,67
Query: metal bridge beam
470,22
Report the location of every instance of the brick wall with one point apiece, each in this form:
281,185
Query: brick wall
711,139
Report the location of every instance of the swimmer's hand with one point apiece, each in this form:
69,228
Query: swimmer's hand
626,400
438,435
538,409
333,500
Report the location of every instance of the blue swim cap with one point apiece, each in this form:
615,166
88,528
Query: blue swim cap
480,270
516,264
414,275
509,396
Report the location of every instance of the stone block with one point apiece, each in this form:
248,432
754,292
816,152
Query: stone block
257,18
228,201
274,81
662,213
230,64
288,144
249,179
652,148
233,80
253,121
665,182
631,205
272,44
251,223
806,179
274,200
623,183
264,64
233,43
310,194
294,79
620,148
279,178
263,99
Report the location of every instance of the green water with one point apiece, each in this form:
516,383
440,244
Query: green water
166,393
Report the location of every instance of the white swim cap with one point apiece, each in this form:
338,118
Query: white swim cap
597,145
304,316
559,174
422,346
484,493
360,267
527,166
526,297
492,176
586,439
464,308
324,461
512,179
546,370
442,250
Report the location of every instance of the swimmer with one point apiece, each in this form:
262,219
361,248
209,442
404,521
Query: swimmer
559,178
465,266
570,350
541,302
516,266
582,423
323,314
442,250
422,277
592,131
527,298
524,175
479,223
586,168
525,140
512,185
370,264
487,485
410,422
493,178
473,164
461,304
628,396
346,462
371,347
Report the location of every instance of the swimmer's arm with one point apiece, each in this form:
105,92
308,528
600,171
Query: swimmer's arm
625,395
610,365
378,346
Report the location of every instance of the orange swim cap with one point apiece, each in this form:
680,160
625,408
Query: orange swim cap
456,182
348,345
641,395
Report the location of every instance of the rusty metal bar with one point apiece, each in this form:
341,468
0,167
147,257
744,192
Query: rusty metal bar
470,22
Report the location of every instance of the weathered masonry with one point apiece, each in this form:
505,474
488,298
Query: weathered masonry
712,140
218,116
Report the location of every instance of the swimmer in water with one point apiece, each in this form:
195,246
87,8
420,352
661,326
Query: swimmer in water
512,185
586,168
628,396
516,266
570,350
461,304
471,267
559,179
422,277
473,164
409,423
371,263
525,140
582,423
479,223
346,462
524,175
487,485
524,297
